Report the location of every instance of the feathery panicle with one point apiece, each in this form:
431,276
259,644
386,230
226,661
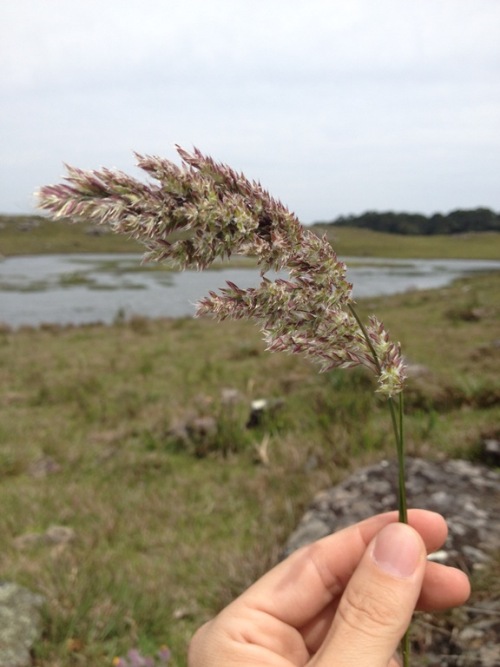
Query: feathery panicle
201,211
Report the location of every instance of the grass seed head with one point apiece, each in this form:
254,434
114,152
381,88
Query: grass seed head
198,212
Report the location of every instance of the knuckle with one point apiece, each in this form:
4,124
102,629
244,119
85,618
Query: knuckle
325,570
370,611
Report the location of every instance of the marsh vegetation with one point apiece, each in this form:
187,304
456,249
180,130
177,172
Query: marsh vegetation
135,438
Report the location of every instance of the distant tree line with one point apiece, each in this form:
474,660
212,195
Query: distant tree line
456,222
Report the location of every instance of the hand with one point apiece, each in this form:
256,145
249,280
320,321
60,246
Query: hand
344,601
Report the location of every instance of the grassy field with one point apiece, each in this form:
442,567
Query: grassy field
29,235
351,242
133,438
35,235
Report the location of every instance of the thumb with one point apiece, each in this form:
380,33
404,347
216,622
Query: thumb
377,605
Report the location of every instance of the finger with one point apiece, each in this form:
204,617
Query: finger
443,587
378,602
299,588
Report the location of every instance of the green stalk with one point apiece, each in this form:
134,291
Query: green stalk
397,423
397,427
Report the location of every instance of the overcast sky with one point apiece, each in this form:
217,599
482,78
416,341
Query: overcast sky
336,106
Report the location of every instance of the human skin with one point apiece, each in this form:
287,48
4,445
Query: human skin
343,601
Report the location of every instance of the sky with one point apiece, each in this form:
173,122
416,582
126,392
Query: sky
336,106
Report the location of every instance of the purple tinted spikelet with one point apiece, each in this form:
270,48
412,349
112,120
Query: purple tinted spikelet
201,211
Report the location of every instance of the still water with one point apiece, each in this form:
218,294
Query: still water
77,289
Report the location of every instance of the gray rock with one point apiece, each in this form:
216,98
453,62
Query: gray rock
19,624
53,535
468,496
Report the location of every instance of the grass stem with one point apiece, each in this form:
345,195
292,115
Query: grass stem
397,419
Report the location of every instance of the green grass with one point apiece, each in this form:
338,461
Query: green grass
170,525
34,235
352,242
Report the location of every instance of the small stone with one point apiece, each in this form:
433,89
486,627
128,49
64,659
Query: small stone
470,635
438,556
53,535
19,624
27,540
230,396
312,463
417,370
182,612
59,534
43,467
201,427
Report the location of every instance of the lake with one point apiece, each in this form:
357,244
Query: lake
78,289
